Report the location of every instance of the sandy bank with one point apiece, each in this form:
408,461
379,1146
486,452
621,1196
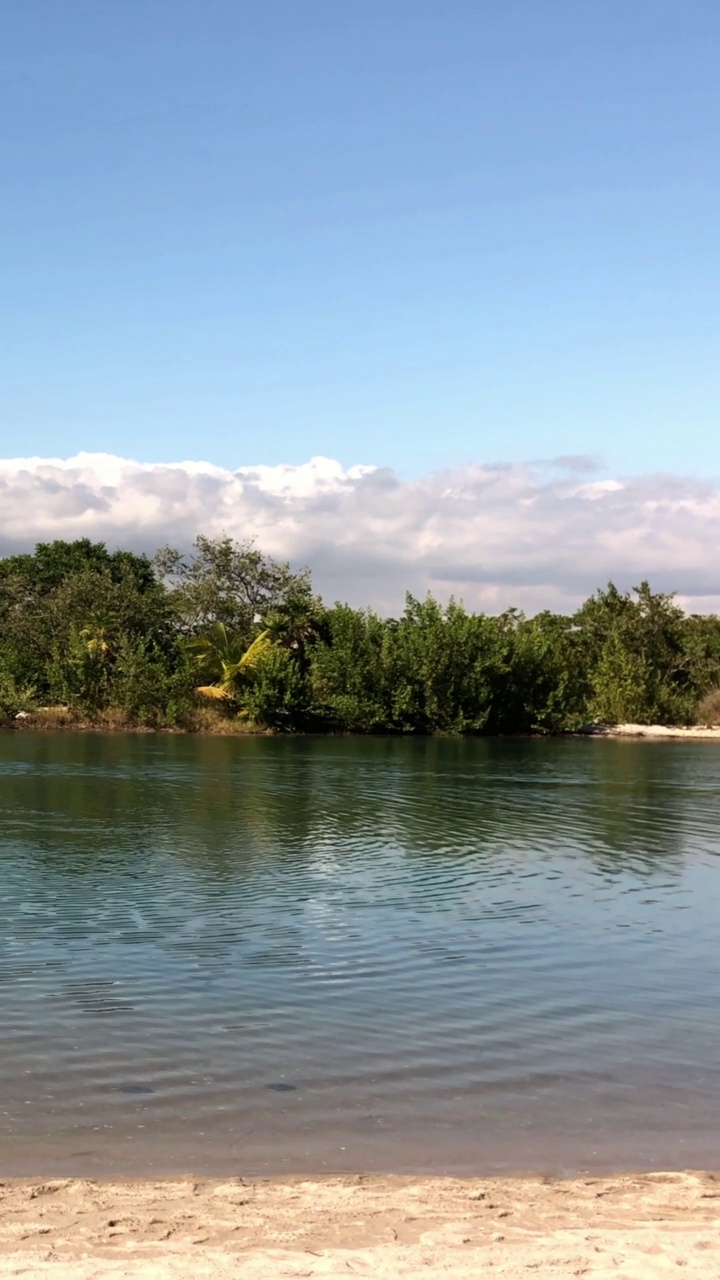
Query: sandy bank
652,731
627,1228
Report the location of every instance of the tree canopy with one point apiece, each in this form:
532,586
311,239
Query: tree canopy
228,630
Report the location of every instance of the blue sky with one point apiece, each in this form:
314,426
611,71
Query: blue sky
405,233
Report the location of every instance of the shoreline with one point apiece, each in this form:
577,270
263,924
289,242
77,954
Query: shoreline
637,1226
218,728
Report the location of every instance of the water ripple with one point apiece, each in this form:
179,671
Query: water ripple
303,955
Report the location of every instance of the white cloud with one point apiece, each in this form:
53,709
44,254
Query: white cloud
539,535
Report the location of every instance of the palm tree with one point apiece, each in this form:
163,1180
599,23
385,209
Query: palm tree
222,655
224,658
296,625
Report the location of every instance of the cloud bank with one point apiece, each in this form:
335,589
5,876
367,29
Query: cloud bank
535,535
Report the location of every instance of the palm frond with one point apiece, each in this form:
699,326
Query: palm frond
214,691
256,652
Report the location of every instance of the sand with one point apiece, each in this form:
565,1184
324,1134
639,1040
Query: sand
690,732
628,1228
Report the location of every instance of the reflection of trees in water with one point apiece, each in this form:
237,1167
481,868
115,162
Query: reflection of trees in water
225,808
223,853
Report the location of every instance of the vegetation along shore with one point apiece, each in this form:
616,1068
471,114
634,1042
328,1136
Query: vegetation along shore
229,640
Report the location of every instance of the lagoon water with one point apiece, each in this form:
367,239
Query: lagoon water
268,955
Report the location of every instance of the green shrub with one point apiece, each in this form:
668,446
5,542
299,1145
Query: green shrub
278,694
149,688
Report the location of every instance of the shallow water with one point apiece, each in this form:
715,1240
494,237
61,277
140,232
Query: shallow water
276,955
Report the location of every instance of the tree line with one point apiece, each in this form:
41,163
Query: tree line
227,637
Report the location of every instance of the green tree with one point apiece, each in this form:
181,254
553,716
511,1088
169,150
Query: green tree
347,673
637,655
545,688
227,582
64,613
442,665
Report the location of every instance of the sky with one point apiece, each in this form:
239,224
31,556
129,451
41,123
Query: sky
436,241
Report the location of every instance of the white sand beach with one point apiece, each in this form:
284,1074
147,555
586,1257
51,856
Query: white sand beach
689,732
641,1227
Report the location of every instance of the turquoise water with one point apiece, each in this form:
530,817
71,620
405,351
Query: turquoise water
274,955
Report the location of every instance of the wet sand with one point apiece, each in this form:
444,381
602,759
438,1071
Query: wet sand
629,1228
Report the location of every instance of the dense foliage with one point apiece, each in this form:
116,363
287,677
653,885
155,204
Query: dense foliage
228,636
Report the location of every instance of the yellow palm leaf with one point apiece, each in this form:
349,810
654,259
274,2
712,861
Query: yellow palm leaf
214,691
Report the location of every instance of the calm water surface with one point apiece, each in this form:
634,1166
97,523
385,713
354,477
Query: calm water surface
270,955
